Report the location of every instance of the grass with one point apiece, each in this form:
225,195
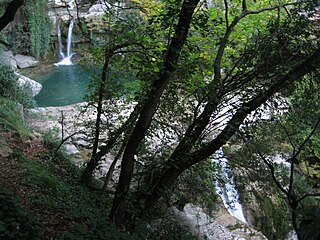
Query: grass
56,181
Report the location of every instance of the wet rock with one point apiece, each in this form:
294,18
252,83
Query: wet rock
222,227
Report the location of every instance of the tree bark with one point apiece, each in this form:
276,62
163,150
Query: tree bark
87,173
10,12
119,203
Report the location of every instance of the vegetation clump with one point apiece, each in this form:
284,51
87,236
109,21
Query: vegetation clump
10,88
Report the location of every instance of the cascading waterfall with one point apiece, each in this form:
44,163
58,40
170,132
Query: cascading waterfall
69,53
225,187
65,60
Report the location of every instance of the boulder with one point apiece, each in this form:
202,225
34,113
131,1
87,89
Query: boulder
24,61
27,82
7,58
71,149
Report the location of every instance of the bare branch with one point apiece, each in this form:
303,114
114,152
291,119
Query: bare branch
269,8
288,136
230,28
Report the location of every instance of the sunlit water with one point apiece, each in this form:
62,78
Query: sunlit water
63,85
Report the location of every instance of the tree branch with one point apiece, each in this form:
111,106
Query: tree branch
226,13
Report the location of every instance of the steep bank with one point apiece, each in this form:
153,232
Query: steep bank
75,124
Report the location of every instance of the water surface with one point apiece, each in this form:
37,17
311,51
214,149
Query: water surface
63,85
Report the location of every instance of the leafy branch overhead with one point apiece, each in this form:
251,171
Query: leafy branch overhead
235,56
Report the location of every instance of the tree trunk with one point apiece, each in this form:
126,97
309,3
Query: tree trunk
119,203
97,155
87,173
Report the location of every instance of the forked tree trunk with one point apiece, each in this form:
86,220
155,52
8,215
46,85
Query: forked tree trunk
182,159
87,173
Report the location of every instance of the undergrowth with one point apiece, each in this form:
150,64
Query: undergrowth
57,182
10,118
15,221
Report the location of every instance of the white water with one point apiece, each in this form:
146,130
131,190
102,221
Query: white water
61,54
226,187
65,60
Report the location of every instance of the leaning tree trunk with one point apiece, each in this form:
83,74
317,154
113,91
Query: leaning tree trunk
119,203
182,159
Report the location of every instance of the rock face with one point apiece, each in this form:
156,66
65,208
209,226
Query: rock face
34,86
223,227
7,58
75,125
24,61
96,11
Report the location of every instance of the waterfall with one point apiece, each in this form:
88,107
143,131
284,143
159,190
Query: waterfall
225,187
69,54
61,54
65,60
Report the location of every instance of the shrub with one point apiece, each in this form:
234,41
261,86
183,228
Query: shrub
9,87
10,118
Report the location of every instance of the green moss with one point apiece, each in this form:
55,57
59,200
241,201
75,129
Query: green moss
39,26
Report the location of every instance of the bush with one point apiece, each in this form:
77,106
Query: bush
10,118
15,221
9,87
